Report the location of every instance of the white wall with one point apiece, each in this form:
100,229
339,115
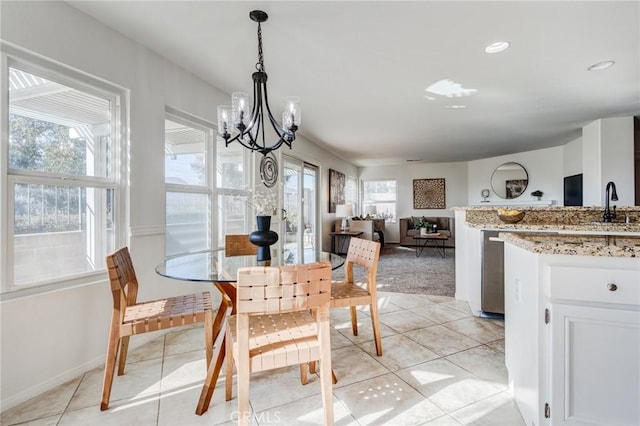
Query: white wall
454,174
608,156
591,165
572,158
544,166
70,326
617,159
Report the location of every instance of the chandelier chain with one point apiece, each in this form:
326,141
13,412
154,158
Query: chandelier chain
260,64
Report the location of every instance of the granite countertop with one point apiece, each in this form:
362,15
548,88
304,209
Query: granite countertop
578,245
586,228
576,209
569,220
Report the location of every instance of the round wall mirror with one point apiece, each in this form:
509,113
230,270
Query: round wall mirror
509,180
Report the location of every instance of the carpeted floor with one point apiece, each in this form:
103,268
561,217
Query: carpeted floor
400,271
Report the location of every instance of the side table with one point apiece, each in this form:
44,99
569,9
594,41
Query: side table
345,236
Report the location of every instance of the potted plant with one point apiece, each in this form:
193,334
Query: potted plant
537,193
424,226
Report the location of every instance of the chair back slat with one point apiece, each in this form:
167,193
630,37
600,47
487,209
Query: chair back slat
122,276
239,245
365,253
287,288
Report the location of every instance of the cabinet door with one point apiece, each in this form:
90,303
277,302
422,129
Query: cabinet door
595,366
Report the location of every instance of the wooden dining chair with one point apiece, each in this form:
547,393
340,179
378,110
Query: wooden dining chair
365,253
282,320
239,245
129,317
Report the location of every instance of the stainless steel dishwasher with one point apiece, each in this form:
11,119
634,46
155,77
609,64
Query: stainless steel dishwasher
492,299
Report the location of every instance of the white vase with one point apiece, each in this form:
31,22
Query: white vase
423,232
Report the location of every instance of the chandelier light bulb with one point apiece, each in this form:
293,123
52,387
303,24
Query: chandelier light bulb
292,108
240,109
224,120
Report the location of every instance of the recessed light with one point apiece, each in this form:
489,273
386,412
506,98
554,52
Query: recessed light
601,66
497,47
455,106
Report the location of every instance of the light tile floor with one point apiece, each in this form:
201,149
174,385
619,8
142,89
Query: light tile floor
441,366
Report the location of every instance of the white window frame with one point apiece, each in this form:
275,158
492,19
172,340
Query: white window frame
13,57
351,195
209,154
248,164
395,199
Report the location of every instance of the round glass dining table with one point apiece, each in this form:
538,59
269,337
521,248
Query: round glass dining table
215,266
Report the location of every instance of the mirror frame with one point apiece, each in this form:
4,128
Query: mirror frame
501,191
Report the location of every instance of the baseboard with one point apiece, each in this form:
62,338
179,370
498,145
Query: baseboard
52,383
69,375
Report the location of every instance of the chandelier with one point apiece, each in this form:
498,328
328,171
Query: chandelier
237,124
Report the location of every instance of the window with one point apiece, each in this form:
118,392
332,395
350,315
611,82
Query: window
382,194
187,182
64,211
351,194
191,202
232,179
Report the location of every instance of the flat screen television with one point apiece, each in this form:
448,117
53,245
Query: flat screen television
573,190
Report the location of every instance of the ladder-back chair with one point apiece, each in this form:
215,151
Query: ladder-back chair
365,253
130,317
282,319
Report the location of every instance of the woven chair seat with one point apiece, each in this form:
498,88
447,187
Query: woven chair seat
166,313
280,340
344,294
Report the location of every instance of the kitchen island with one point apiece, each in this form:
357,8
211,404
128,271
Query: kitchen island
473,222
572,327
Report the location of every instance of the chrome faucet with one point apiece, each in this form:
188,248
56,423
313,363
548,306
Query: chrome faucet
608,215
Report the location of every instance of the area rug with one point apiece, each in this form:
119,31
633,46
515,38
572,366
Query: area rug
400,271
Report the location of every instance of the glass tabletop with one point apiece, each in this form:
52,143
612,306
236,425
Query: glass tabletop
214,266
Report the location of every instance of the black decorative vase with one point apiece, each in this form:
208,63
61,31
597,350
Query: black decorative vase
264,237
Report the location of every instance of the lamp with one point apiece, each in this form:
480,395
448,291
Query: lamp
371,211
345,211
235,123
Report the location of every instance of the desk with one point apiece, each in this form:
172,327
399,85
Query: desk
345,236
426,240
221,270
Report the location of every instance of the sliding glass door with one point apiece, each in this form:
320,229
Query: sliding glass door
300,187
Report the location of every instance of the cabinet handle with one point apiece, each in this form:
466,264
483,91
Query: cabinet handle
612,287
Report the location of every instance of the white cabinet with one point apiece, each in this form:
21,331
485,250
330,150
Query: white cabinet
595,366
595,340
572,337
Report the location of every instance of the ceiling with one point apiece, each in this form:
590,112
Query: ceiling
361,69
